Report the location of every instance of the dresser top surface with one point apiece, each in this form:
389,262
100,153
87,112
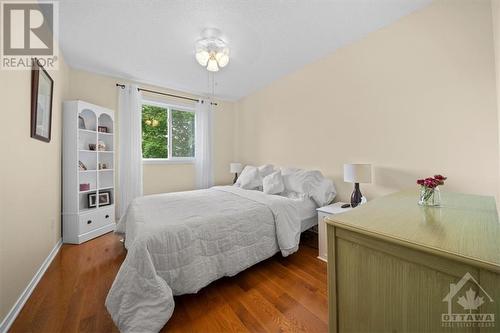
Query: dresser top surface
464,226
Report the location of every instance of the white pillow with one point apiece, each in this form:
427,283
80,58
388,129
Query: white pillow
312,183
266,170
249,178
273,183
324,192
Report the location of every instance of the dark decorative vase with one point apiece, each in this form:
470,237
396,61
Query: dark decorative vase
356,196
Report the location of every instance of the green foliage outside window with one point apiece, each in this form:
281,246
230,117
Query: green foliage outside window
182,134
155,132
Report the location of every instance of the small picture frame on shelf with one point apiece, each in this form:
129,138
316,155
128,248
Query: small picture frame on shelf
103,166
92,146
81,123
105,198
92,200
102,129
82,166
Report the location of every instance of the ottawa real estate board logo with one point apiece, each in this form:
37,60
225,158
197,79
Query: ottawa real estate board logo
464,301
29,31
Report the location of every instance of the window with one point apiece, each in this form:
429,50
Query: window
168,133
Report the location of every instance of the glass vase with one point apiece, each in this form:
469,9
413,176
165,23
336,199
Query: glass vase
429,196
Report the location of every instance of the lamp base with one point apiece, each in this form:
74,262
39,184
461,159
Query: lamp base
356,196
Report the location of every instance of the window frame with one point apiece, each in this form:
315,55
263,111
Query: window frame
170,159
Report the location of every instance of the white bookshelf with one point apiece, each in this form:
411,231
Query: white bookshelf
82,221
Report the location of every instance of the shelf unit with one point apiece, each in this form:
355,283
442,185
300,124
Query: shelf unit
81,220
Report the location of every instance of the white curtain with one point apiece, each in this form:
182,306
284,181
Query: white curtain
203,145
130,166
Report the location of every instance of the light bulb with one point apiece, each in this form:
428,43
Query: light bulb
202,57
212,65
222,57
223,60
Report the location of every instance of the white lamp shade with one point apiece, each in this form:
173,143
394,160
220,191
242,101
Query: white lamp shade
235,167
212,65
222,58
358,173
202,57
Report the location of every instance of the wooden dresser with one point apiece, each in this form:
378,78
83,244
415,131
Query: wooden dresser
397,267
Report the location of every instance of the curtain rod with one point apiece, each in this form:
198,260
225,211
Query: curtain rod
165,94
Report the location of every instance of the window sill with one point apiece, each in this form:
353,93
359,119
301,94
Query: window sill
167,161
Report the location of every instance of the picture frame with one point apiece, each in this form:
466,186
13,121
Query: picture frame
42,89
104,198
102,129
92,200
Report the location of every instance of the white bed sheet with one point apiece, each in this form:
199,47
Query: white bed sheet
306,206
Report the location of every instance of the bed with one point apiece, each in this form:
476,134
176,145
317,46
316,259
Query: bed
180,242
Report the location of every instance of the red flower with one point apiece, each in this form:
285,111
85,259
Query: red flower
432,182
428,183
440,177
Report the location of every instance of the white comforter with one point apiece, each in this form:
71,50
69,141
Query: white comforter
180,242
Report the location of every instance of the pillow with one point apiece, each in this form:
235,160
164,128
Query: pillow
295,180
266,170
324,192
249,178
273,183
312,183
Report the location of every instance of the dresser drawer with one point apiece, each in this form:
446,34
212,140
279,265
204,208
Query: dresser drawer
97,219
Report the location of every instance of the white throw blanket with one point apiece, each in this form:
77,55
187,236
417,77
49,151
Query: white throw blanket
180,242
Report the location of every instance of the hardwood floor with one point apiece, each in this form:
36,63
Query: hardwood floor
277,295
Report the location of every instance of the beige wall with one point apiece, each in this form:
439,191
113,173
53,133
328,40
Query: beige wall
30,184
101,90
414,98
495,11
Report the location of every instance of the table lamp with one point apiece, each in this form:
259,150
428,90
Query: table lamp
357,173
236,169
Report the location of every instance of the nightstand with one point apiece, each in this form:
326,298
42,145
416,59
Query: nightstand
322,213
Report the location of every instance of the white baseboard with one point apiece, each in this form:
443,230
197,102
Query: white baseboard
14,311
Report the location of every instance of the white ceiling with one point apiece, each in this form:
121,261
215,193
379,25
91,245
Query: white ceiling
152,41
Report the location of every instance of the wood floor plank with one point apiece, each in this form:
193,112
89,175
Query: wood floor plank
276,295
295,312
232,296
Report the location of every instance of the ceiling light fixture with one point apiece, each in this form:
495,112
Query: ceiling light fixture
211,51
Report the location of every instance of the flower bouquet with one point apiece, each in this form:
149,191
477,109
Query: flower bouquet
429,190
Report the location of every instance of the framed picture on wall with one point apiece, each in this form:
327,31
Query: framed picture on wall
42,87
